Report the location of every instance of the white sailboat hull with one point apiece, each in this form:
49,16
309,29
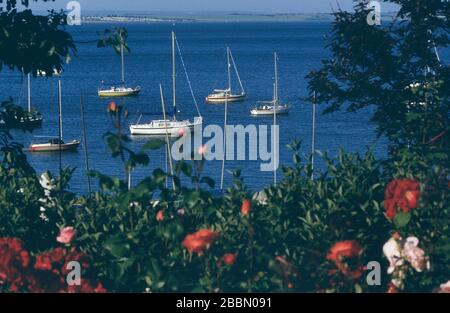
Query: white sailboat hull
169,127
222,98
269,110
118,92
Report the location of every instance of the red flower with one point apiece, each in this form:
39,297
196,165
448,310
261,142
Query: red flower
199,241
227,259
392,288
401,194
48,274
160,216
112,107
43,263
390,208
343,251
246,207
14,261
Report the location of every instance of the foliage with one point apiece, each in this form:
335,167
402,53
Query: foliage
278,243
393,67
32,43
115,37
301,235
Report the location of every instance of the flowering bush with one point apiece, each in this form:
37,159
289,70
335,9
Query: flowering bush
47,274
401,194
302,235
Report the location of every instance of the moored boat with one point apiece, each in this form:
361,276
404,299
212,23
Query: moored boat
158,127
120,90
227,95
266,108
220,96
174,127
55,144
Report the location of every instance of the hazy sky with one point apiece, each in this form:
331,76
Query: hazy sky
274,6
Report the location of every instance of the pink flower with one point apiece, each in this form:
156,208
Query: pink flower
66,235
202,150
160,216
415,255
181,132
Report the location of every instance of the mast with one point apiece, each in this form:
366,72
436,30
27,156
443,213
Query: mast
123,66
60,111
224,142
85,146
169,154
229,69
29,93
275,96
275,131
313,141
60,127
174,78
222,174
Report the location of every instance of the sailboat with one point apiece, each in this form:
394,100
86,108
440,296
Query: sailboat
222,95
28,118
34,118
56,144
174,127
274,106
120,90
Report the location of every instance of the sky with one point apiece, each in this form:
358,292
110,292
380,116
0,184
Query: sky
266,6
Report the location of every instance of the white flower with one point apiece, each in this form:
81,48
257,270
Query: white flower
47,183
43,217
392,251
411,242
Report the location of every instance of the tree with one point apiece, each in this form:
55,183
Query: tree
394,67
30,43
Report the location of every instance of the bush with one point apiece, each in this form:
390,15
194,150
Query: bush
302,235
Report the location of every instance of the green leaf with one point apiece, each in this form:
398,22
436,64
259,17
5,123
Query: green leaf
117,246
186,169
209,181
402,219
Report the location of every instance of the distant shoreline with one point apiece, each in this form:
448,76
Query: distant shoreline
211,18
233,17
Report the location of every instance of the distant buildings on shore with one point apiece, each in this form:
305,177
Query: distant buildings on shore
205,17
232,17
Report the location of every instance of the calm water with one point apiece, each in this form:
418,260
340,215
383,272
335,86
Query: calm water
300,49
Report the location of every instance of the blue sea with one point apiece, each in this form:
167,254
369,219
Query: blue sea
300,46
